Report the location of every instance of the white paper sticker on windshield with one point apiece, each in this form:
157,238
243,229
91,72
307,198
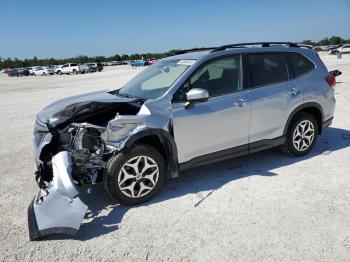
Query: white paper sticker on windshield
186,62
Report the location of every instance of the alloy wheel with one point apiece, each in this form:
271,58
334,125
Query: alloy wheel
138,176
303,135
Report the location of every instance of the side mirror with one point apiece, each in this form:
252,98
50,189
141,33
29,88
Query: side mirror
196,95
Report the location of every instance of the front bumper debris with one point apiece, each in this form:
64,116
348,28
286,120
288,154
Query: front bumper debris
57,209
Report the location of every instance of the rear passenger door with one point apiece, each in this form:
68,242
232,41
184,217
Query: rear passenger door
272,96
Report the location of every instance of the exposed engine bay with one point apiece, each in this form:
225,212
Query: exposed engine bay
81,129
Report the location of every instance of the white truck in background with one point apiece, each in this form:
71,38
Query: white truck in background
68,69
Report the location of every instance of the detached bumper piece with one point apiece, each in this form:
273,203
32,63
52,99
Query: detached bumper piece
57,209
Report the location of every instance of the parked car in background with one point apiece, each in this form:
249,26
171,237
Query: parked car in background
342,49
113,63
68,69
332,49
99,67
18,72
319,48
84,68
53,69
137,63
94,67
7,71
50,69
150,61
57,68
39,71
31,70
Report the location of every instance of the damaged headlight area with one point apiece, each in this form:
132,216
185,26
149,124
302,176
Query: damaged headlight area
75,156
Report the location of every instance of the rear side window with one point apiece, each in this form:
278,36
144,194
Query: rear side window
298,64
267,69
73,64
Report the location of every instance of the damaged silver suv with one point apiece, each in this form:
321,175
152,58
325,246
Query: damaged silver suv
191,109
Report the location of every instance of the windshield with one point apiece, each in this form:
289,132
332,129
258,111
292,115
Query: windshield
154,81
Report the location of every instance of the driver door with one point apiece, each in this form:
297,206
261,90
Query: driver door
219,125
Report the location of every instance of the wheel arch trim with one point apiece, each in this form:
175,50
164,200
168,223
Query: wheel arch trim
301,108
167,142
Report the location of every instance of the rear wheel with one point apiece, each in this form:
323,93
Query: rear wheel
135,176
301,136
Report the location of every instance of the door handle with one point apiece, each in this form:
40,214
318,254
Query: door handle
293,91
240,102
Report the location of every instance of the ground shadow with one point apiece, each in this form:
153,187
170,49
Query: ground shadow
104,216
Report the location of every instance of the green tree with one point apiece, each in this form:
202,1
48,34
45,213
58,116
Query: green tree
116,58
335,40
307,42
324,41
125,57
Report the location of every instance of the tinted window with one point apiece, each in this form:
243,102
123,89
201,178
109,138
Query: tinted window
73,64
298,64
218,77
267,69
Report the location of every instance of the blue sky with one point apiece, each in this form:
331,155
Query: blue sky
66,28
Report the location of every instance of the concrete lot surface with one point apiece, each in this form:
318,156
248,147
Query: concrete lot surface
263,207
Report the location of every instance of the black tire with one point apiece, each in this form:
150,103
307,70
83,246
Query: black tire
289,147
114,165
59,72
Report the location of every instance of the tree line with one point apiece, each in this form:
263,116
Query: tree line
13,63
334,40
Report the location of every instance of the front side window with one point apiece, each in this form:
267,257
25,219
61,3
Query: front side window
154,81
298,64
220,76
267,69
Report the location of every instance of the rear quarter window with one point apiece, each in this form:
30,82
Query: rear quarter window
298,64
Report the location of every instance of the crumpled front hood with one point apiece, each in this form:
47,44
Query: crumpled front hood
98,105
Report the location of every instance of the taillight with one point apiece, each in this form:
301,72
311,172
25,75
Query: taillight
330,80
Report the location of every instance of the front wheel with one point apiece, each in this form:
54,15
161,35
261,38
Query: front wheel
301,135
135,176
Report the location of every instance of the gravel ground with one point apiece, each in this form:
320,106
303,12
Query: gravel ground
263,207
